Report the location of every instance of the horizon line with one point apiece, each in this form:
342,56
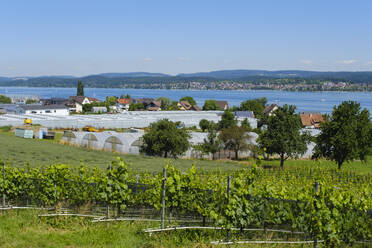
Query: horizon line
181,73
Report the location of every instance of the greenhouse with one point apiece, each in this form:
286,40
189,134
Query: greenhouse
113,144
108,141
196,138
123,142
130,119
131,142
73,137
90,141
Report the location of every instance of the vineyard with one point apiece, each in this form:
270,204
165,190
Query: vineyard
316,205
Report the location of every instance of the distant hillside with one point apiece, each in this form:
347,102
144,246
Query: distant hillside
133,74
198,80
100,81
56,76
241,74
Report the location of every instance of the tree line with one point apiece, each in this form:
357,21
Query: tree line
346,135
100,81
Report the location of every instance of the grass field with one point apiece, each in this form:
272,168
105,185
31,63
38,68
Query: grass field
24,228
19,151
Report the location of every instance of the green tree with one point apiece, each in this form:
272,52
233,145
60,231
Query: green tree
136,106
165,139
235,138
262,100
174,105
211,144
5,99
283,135
31,101
253,105
126,96
245,123
111,100
165,102
189,99
80,88
210,105
204,124
227,120
87,107
346,135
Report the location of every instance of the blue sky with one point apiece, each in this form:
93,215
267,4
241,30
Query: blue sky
86,37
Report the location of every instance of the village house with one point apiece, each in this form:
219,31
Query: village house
123,104
144,101
99,110
154,106
184,105
54,109
311,120
223,105
76,103
270,109
54,101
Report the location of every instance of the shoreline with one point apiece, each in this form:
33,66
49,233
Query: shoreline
240,90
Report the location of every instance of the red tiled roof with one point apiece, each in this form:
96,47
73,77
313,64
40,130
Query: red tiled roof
92,99
186,105
317,118
305,120
156,103
269,109
125,100
311,119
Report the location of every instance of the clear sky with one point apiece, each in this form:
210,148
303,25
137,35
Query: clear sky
78,37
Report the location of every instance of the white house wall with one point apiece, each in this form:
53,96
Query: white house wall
58,112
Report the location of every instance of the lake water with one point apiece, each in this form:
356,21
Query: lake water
305,101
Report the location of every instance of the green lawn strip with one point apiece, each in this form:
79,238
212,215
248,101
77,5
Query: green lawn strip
24,228
358,167
20,152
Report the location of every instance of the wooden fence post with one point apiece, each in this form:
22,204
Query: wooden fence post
228,197
137,180
108,195
163,198
316,188
3,204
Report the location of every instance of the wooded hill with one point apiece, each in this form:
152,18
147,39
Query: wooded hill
111,80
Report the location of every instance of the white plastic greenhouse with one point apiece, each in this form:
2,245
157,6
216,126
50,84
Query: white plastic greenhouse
108,141
73,137
130,119
130,143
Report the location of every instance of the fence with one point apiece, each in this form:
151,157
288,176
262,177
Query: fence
181,208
